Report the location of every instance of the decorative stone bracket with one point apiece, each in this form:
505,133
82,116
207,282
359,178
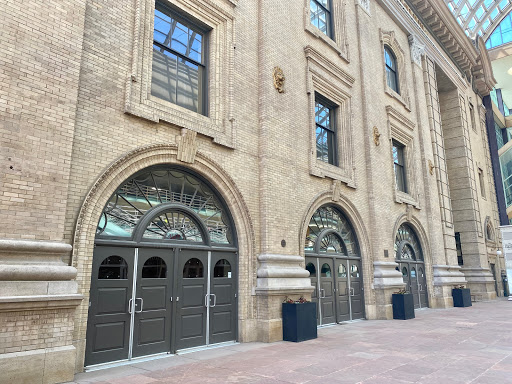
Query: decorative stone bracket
281,274
386,276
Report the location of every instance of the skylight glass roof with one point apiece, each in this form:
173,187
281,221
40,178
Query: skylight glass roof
479,16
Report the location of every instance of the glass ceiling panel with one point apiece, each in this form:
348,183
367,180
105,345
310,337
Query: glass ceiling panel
479,17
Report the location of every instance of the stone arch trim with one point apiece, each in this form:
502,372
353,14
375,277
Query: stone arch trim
420,232
356,220
107,183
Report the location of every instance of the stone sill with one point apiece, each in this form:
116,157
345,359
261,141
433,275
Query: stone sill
39,302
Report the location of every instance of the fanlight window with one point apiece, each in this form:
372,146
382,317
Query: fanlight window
173,225
341,240
113,268
161,185
407,245
326,270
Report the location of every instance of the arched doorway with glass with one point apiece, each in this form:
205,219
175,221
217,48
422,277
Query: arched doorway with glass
334,264
164,275
409,257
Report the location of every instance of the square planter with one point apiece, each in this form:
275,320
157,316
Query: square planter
461,297
299,321
403,306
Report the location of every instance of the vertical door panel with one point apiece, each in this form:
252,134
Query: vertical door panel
108,326
223,301
422,279
311,266
342,294
192,277
413,282
153,311
327,298
356,285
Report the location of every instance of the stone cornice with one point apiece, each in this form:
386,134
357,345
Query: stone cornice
482,72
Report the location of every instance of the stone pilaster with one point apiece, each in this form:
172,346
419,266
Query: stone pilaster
39,296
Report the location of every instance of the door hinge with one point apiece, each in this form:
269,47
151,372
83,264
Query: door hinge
171,298
89,303
235,294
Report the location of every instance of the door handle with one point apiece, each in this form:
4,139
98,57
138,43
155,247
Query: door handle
141,304
352,292
214,299
206,297
420,287
322,296
130,308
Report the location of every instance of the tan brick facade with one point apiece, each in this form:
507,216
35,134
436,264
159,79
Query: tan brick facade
77,118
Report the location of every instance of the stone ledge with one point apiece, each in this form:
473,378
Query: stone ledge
39,302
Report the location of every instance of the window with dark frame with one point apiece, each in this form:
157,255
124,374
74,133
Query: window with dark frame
179,65
399,165
320,15
391,69
458,246
325,130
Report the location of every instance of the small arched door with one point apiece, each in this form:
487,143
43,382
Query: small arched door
334,265
164,275
409,257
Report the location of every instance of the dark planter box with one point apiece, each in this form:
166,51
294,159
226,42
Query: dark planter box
461,297
403,306
299,321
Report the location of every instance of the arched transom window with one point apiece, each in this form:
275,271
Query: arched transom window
177,188
407,245
329,231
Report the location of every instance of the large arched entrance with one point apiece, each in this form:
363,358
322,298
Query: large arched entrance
409,257
164,271
334,263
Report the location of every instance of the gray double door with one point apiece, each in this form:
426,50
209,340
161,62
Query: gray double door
338,292
413,274
147,301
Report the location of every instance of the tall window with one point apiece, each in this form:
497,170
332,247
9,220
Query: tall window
391,69
482,183
458,246
399,164
472,115
320,13
325,130
179,68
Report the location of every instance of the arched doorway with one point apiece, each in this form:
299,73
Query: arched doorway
334,263
409,257
164,271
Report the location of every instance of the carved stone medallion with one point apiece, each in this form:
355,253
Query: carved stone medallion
279,79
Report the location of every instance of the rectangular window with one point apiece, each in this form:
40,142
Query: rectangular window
458,246
325,131
481,180
399,164
179,69
472,114
320,14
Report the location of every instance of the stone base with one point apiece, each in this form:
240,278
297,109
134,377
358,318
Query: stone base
45,366
481,283
386,281
445,278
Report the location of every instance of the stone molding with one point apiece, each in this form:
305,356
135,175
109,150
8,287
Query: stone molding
385,275
400,128
29,260
417,49
39,302
365,5
447,275
282,273
332,82
107,183
388,38
220,123
339,42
